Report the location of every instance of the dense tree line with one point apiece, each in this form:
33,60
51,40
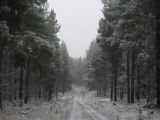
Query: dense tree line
33,62
96,70
76,70
123,57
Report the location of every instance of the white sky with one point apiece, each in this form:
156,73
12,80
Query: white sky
79,22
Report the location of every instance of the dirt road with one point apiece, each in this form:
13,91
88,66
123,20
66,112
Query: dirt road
82,111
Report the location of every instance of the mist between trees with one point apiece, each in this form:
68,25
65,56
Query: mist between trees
121,63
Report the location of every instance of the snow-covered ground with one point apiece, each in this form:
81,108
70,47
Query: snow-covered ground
82,111
79,105
53,110
120,111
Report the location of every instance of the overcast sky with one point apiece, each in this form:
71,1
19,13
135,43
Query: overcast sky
79,22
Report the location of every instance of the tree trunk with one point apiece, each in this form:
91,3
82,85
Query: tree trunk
122,94
128,78
40,84
1,57
138,83
27,81
101,87
112,82
56,88
111,90
121,91
158,82
104,84
157,52
49,95
133,76
21,86
63,88
149,82
97,83
158,66
14,89
64,85
115,81
37,88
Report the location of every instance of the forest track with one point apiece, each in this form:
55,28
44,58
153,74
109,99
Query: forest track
82,111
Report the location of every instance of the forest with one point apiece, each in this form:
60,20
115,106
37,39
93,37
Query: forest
122,59
122,63
33,61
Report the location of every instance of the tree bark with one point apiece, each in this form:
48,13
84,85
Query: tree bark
149,82
49,95
39,83
158,67
111,90
21,86
157,52
121,91
64,83
56,88
97,83
104,84
112,82
128,78
63,88
27,81
37,88
115,81
101,87
133,76
1,57
138,83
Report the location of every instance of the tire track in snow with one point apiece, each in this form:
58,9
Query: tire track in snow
76,113
93,113
82,111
